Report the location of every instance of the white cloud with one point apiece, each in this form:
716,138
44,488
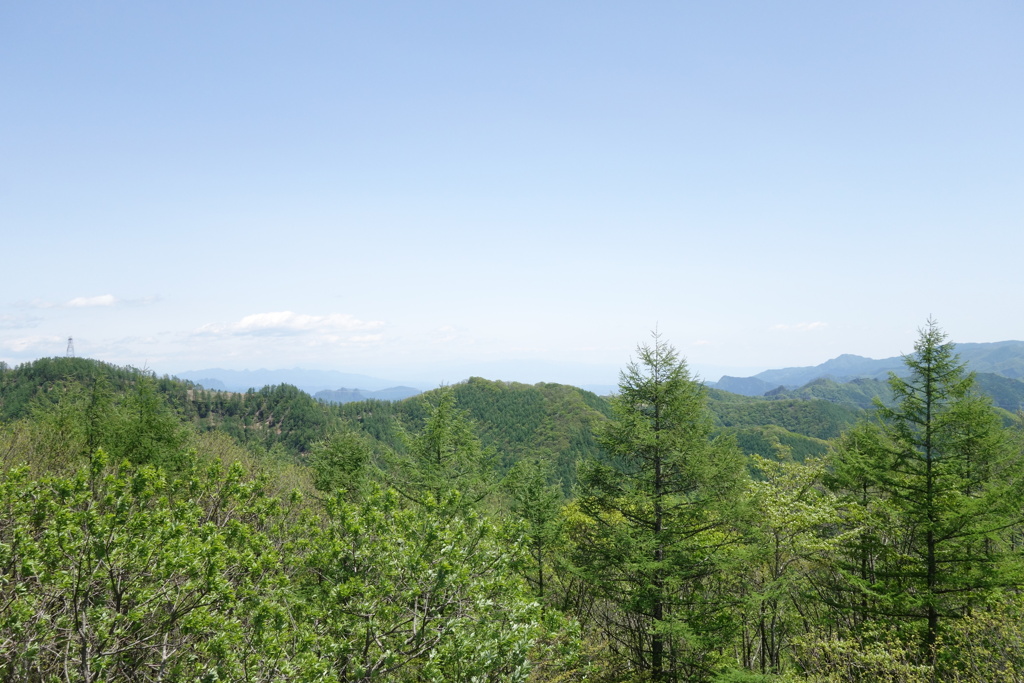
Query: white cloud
281,323
81,302
91,301
41,345
801,327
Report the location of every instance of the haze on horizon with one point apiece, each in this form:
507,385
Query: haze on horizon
417,190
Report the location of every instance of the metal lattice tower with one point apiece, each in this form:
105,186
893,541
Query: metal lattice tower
71,348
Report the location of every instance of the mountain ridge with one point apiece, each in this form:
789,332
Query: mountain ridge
310,381
1004,358
345,395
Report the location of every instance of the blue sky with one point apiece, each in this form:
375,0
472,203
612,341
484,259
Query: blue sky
518,190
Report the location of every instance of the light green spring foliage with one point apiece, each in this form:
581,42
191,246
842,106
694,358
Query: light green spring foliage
115,573
119,573
399,593
783,549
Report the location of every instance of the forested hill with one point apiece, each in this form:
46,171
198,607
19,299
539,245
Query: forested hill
552,422
46,380
344,395
549,421
1006,393
799,427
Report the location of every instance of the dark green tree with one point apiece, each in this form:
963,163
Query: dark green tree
537,504
446,456
340,462
149,431
938,484
661,503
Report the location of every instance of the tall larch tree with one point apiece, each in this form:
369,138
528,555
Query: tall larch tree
941,501
660,504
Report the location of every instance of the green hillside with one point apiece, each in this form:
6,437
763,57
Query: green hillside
47,379
815,417
553,422
858,393
1006,393
489,528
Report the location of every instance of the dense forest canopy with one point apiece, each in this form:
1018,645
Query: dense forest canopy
495,531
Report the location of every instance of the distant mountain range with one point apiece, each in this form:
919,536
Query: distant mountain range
310,381
1005,359
351,395
329,385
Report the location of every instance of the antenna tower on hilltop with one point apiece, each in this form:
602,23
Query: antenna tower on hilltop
71,348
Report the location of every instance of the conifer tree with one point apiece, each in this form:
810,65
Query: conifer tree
938,483
446,457
340,462
537,504
660,504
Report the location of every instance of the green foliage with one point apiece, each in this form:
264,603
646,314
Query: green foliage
119,574
415,594
660,504
46,379
742,676
876,654
152,530
770,440
147,431
937,484
446,457
815,418
857,393
516,420
538,505
339,463
784,545
68,423
1006,393
280,415
987,644
521,421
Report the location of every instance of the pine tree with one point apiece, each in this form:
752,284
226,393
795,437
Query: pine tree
660,503
944,494
537,504
340,462
446,458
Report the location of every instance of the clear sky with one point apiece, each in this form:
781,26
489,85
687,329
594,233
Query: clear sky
433,189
